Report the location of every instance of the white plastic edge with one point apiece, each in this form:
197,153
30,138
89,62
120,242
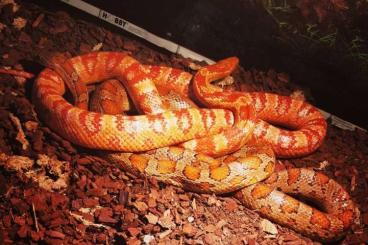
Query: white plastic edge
175,48
136,30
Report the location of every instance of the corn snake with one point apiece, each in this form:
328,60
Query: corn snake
189,164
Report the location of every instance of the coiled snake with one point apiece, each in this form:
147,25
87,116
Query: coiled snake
228,148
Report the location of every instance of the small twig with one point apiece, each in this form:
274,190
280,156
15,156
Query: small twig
35,217
17,73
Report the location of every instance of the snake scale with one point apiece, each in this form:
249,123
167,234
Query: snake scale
228,146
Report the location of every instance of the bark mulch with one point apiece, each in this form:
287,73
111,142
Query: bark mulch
53,192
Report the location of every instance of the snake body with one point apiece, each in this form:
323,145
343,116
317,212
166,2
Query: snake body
119,132
215,148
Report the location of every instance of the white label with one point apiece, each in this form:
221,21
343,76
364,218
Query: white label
136,30
340,123
112,19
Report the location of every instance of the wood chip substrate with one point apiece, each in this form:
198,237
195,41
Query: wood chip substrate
54,192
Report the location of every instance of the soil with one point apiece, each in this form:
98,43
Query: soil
53,192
